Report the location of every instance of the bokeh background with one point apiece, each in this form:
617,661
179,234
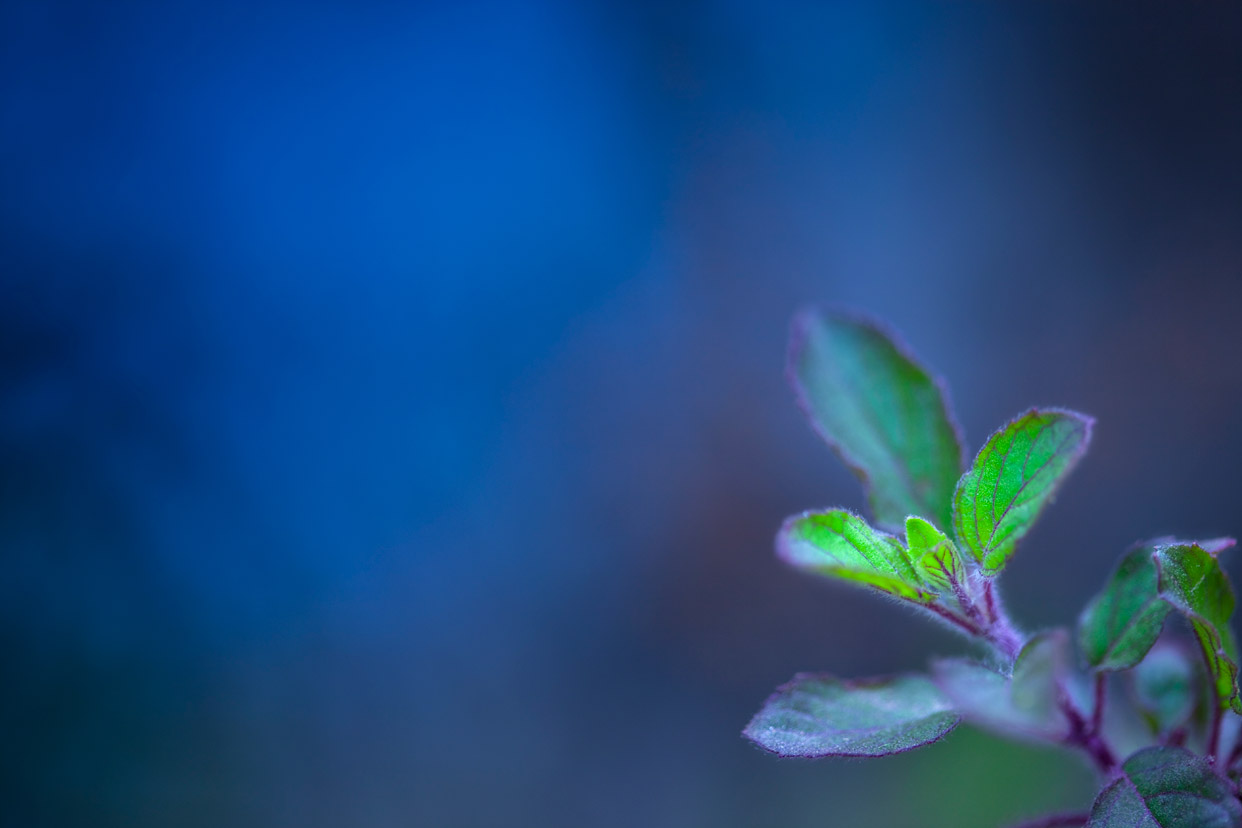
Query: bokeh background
392,421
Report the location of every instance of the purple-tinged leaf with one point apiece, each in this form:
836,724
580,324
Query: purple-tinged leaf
1193,583
1167,787
1014,476
935,556
818,715
838,544
1120,625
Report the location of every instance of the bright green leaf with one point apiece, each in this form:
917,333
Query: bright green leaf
1193,583
1025,704
841,545
880,410
1121,624
1164,687
1015,475
1166,787
937,558
819,715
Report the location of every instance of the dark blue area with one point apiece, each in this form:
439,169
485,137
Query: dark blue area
392,429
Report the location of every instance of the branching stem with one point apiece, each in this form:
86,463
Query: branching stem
1086,736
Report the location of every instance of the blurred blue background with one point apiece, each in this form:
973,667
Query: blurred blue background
392,418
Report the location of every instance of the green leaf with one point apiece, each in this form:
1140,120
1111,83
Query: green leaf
1015,475
1166,787
880,410
1025,704
1121,624
1164,687
841,545
935,556
818,715
1193,583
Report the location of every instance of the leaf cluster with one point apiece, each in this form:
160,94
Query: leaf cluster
941,532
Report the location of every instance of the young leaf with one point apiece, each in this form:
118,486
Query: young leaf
1166,787
1194,584
818,715
1121,624
1015,475
1024,704
880,410
839,544
1164,687
934,554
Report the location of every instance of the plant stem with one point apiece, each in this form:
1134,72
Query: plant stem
1218,716
989,597
956,620
1000,631
972,611
1086,737
1101,696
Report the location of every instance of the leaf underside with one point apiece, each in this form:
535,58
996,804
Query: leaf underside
1024,705
1166,787
817,715
1014,476
880,410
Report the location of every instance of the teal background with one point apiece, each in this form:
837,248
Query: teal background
392,421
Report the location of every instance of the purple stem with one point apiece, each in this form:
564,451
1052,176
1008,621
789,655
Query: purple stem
1101,695
989,596
967,604
1083,736
1000,632
1213,745
955,619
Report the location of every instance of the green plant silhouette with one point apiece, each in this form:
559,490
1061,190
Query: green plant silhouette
1163,735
